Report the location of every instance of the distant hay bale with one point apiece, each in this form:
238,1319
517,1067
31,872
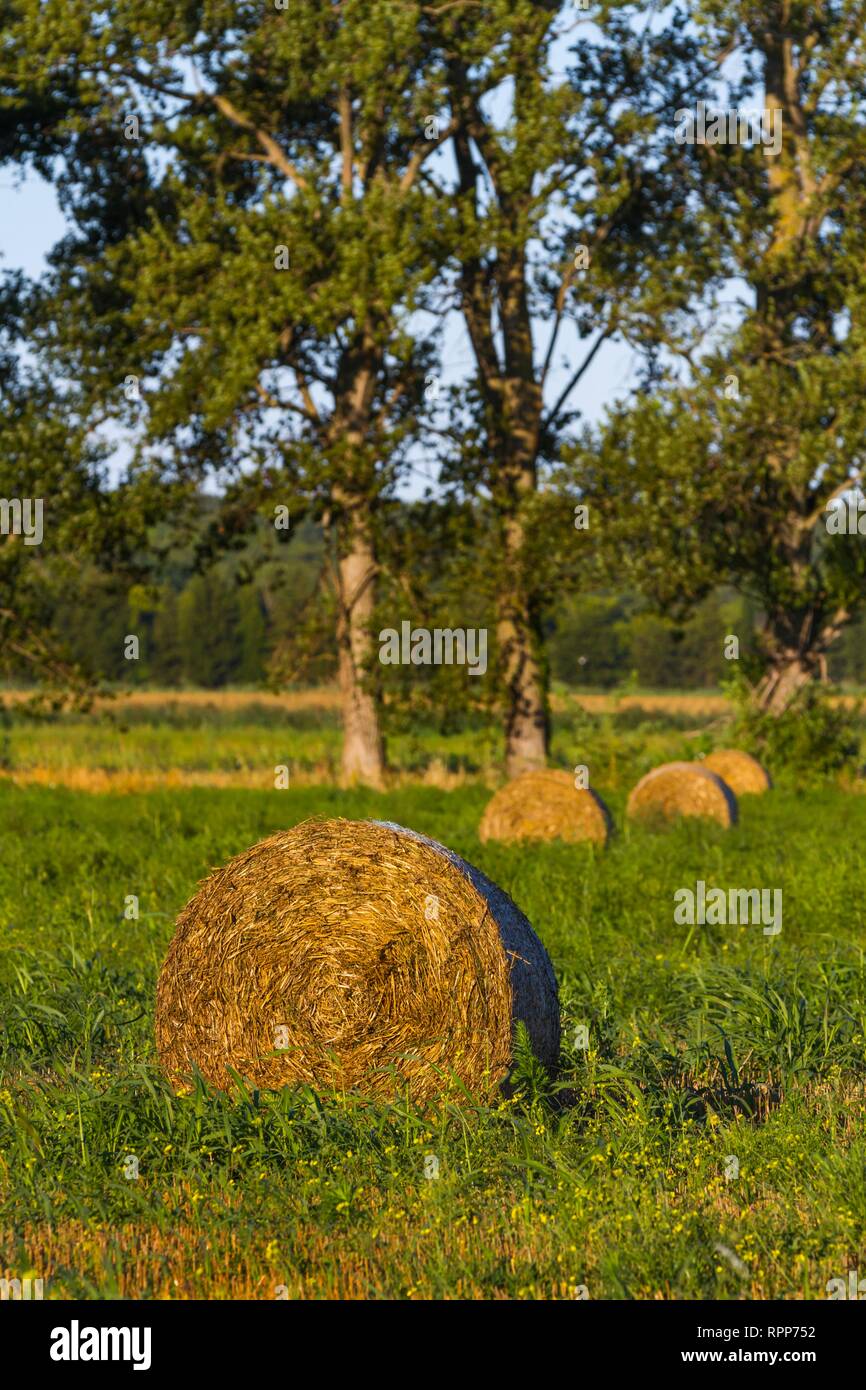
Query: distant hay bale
355,954
744,774
545,805
682,789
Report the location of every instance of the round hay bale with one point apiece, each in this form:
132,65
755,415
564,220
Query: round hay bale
545,805
353,954
682,789
744,774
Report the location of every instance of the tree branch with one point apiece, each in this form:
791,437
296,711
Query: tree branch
567,279
276,156
551,417
344,107
420,155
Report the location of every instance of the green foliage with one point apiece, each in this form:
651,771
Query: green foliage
253,633
166,658
812,739
207,619
722,466
589,643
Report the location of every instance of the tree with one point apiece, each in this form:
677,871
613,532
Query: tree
733,471
251,237
61,526
253,636
588,646
567,216
208,630
166,662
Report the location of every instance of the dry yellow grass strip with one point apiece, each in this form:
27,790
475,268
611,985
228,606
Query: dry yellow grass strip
692,705
323,697
301,1261
100,780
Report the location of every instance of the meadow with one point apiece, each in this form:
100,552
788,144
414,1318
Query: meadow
145,738
705,1137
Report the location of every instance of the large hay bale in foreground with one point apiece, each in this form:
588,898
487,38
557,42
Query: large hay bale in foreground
353,954
682,789
743,774
545,805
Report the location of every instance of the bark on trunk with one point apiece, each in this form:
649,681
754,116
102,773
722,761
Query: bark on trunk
363,758
795,646
526,715
527,727
357,567
526,722
781,683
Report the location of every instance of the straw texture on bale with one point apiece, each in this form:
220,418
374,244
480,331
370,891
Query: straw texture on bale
545,805
682,789
744,774
355,954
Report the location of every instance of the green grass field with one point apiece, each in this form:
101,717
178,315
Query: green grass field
709,1142
240,736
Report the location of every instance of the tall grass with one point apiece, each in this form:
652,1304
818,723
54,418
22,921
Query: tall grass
709,1049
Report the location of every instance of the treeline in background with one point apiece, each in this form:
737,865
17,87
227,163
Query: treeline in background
237,622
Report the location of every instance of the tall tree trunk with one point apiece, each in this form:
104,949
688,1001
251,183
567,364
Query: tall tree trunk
496,304
357,565
527,728
363,757
519,628
792,639
519,641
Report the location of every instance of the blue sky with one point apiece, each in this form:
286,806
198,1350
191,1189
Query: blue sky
31,223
